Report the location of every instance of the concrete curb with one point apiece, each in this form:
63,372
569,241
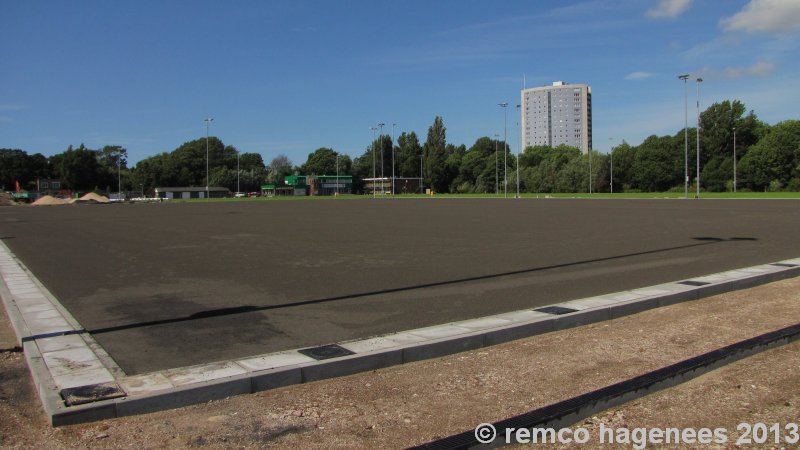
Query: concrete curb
568,412
64,359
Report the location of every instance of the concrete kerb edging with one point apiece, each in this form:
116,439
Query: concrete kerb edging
196,384
567,412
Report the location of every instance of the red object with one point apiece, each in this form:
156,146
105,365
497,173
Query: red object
18,189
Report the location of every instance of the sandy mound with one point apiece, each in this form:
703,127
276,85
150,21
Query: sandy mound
91,197
48,200
6,199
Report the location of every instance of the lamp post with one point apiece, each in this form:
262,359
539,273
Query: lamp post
119,173
519,147
421,177
685,77
238,187
590,170
505,152
393,125
208,124
611,156
496,167
337,174
380,136
373,160
734,159
699,80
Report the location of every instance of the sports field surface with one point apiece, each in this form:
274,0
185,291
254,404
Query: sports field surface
169,285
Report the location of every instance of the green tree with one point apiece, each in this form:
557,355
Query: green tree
774,161
77,169
657,165
320,162
17,166
623,156
407,156
718,122
435,157
279,167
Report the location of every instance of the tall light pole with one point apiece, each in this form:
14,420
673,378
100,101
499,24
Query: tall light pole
505,151
208,123
119,171
611,155
699,80
421,177
496,167
519,147
685,77
590,170
380,136
238,187
734,159
373,160
337,174
393,125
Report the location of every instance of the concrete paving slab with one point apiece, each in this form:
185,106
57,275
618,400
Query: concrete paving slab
83,378
484,323
204,373
63,342
145,384
274,360
441,331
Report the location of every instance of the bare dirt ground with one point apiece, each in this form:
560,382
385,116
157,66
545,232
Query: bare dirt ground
418,402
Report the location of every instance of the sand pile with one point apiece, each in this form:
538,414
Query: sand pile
91,197
48,200
6,199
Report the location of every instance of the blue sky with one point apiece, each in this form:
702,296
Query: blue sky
291,76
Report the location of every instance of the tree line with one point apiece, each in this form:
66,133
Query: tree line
767,159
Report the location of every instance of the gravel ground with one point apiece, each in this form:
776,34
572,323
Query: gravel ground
418,402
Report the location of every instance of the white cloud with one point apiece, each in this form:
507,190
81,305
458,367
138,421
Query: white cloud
759,69
11,107
638,76
765,16
669,9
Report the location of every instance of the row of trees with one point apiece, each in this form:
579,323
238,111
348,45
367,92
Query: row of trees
767,158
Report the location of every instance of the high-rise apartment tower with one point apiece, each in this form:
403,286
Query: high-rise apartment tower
557,114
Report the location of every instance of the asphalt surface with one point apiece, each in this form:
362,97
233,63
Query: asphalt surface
170,285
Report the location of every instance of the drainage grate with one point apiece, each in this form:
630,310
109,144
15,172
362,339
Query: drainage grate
326,352
694,283
557,310
783,265
91,393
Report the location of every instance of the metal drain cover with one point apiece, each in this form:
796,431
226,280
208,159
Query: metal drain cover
557,310
326,352
91,393
694,283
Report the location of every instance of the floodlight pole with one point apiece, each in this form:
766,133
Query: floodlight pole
505,151
421,178
337,174
699,80
519,147
119,169
238,188
685,77
373,160
734,159
496,167
383,187
393,125
611,155
208,123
